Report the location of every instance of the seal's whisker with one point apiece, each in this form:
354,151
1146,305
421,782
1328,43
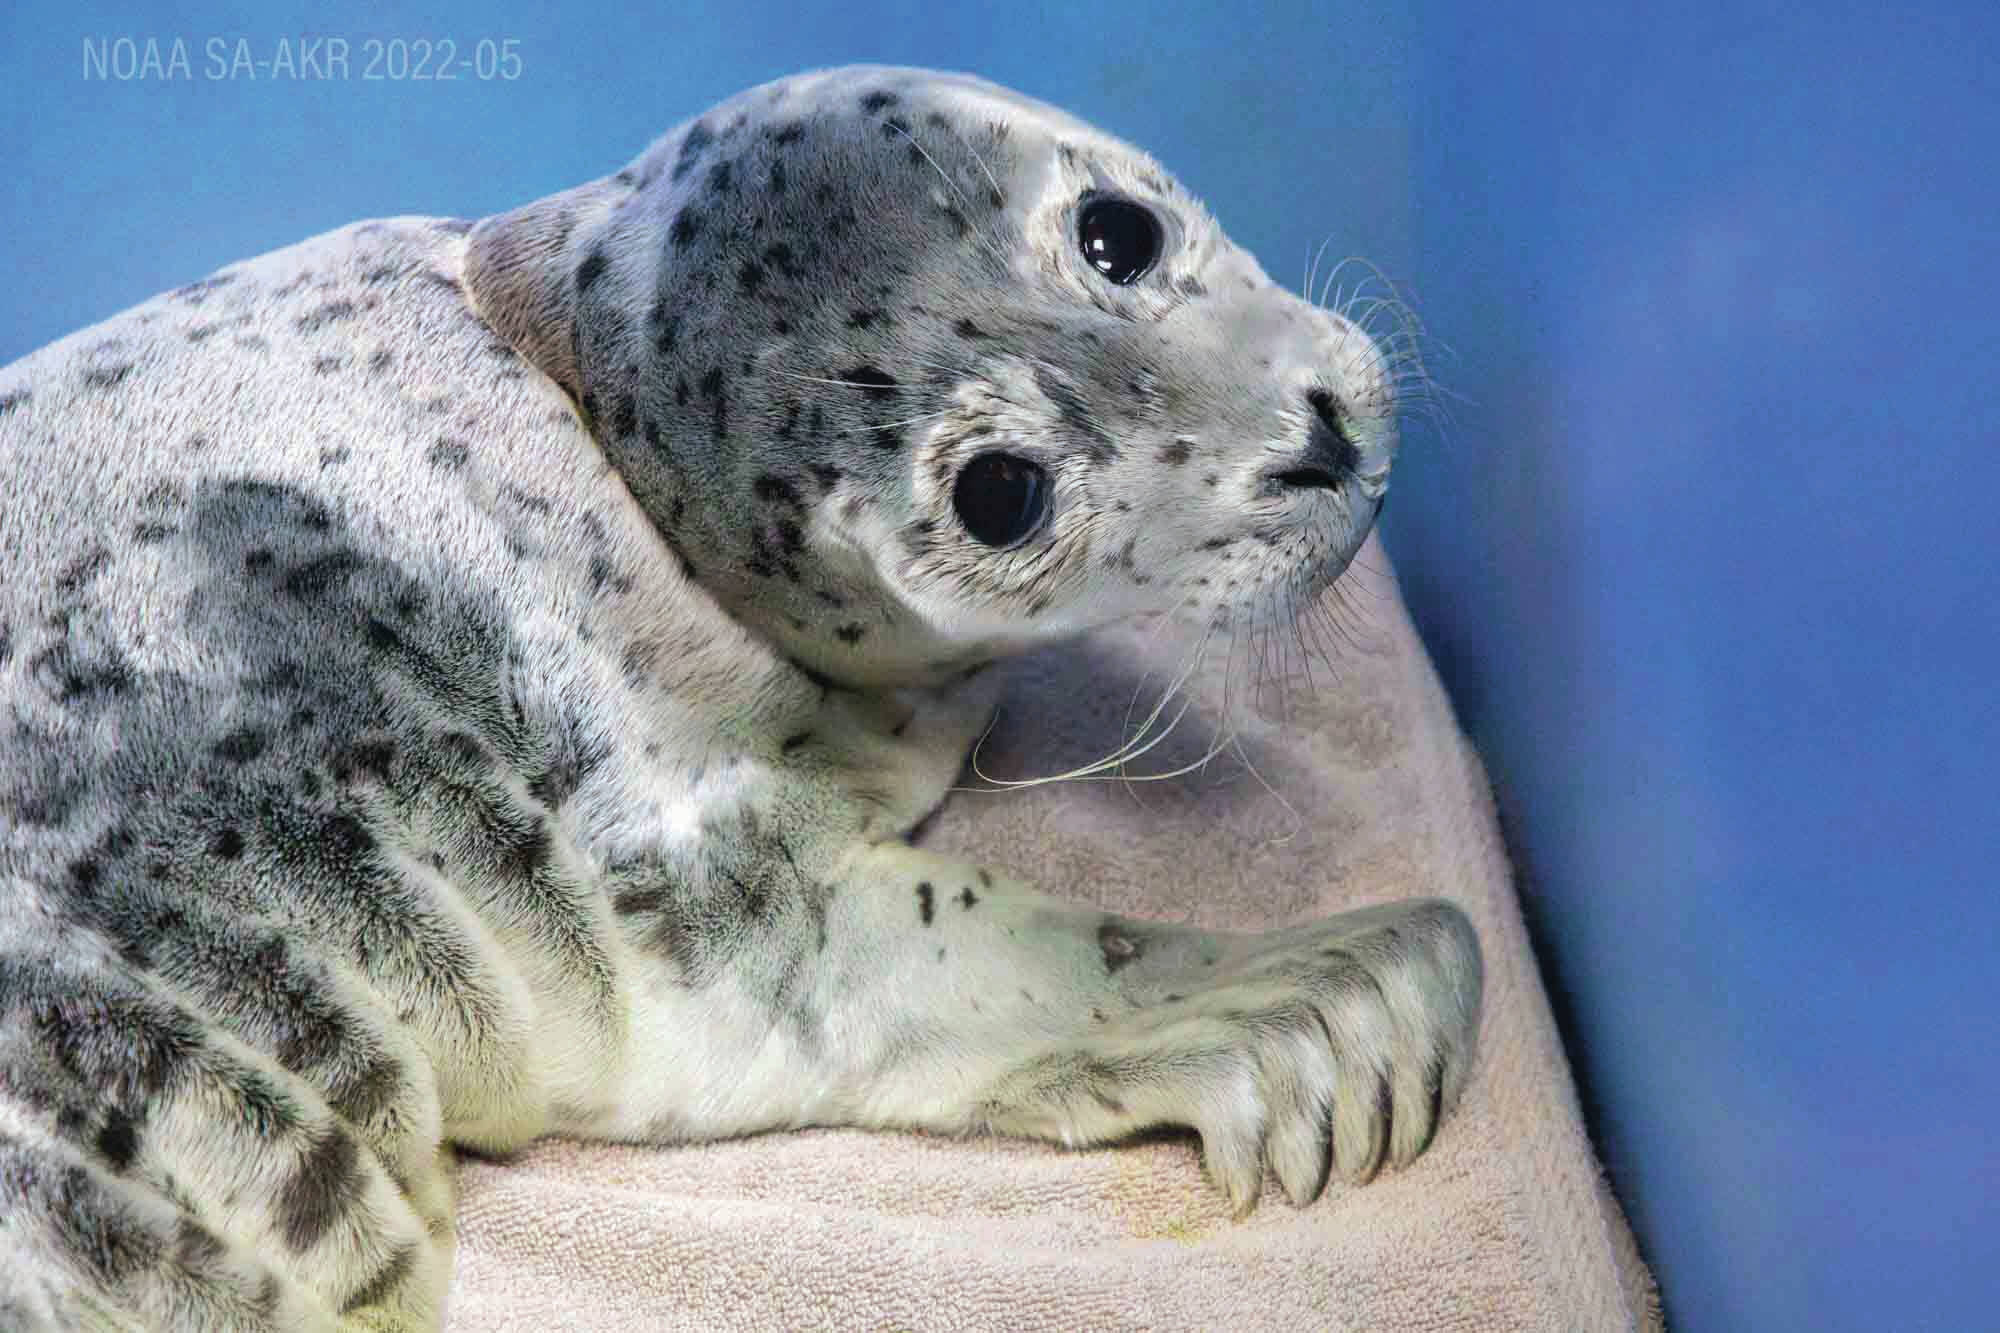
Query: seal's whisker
1133,747
970,147
1311,645
1260,631
1097,768
1340,616
915,420
1297,612
1291,641
989,243
1397,346
1278,621
1139,687
1361,589
1225,725
1364,311
1306,293
1318,622
1271,695
1371,273
1217,621
1145,651
1194,765
1217,745
1298,820
1363,633
1332,277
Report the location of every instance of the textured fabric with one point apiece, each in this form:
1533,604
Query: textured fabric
1363,789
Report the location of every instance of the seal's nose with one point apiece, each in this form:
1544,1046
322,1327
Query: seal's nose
1329,458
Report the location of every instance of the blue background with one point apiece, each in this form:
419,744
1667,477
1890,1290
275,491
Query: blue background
1707,559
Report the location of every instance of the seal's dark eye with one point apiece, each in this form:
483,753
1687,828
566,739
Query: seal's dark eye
1000,498
1120,239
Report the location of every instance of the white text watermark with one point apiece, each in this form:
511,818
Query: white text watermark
303,59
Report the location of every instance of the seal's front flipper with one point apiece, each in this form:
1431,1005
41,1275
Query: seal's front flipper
961,1001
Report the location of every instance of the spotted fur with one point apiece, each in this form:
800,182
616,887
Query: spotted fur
467,682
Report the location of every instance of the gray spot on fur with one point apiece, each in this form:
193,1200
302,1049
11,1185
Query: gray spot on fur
1119,945
448,453
395,1269
330,313
107,377
327,1183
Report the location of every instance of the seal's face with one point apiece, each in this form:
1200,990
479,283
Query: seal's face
915,371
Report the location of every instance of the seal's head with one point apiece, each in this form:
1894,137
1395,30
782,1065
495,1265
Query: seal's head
915,371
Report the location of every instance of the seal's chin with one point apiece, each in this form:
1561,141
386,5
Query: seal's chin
1315,576
1310,551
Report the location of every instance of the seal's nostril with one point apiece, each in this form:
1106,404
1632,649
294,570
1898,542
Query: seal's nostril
1307,476
1326,410
1330,458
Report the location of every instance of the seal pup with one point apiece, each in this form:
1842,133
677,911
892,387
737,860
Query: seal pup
470,681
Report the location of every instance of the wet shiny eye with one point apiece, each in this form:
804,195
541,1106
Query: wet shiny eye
1120,239
1000,498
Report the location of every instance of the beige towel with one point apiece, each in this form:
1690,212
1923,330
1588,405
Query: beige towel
1503,1225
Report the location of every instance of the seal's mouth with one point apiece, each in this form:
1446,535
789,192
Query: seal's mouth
1329,459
